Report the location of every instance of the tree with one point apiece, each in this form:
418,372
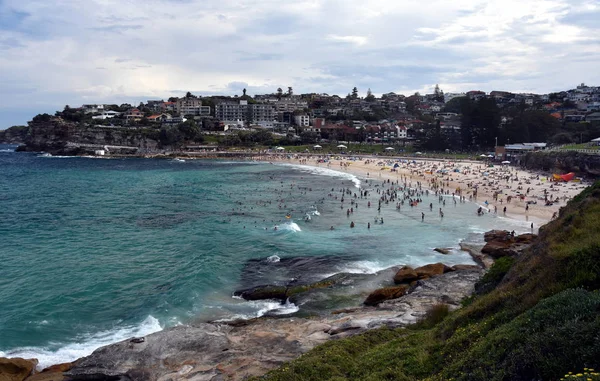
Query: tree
370,97
189,95
354,93
244,92
290,91
454,105
190,130
438,94
279,93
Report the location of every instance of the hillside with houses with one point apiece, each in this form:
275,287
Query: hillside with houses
436,122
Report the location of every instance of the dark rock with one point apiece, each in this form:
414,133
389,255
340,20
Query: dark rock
526,238
465,267
497,235
501,243
442,250
263,292
386,293
405,275
16,369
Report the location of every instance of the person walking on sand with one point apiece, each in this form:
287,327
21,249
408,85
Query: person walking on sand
422,217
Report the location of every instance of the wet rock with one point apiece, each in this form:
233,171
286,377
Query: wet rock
405,275
16,369
386,293
442,250
58,367
263,292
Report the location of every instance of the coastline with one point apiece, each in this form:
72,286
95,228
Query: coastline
351,322
517,209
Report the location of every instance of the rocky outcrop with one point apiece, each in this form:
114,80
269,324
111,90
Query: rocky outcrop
59,137
214,352
385,293
16,369
408,275
13,135
563,161
405,275
501,243
443,250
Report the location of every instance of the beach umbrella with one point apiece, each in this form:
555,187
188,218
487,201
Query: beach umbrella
389,149
506,162
483,155
279,148
317,146
418,153
491,156
341,146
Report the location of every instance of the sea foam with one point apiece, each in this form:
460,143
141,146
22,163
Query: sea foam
326,172
85,345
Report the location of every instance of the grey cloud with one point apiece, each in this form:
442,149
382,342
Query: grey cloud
251,56
117,28
588,20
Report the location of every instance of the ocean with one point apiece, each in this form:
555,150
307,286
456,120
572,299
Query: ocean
94,251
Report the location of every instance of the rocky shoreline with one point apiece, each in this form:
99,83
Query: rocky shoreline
217,351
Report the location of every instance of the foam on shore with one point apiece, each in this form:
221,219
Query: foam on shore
85,345
325,172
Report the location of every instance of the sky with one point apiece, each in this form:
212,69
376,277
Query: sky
71,52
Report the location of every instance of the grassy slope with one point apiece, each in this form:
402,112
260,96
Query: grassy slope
540,322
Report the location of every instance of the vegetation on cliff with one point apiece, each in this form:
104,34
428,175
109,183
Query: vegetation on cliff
539,322
563,161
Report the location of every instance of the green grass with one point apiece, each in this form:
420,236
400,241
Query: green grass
581,146
538,319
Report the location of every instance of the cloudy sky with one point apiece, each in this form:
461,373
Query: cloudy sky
58,52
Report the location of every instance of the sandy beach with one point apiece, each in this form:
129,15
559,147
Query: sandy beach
527,196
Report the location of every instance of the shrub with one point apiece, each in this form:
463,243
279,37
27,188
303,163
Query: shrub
494,275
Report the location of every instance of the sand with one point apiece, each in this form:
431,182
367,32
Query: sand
523,193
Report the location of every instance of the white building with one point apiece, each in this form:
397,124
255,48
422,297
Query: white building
92,109
191,106
106,115
262,114
302,120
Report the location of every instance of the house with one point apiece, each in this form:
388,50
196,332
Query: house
593,117
155,106
108,114
159,118
134,115
92,109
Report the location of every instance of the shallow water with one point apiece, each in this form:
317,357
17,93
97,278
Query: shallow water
94,251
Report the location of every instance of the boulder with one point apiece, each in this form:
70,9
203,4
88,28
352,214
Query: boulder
431,270
405,275
498,249
526,239
16,369
442,250
386,293
46,376
58,367
263,292
495,235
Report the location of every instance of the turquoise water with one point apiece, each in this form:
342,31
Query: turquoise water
93,251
